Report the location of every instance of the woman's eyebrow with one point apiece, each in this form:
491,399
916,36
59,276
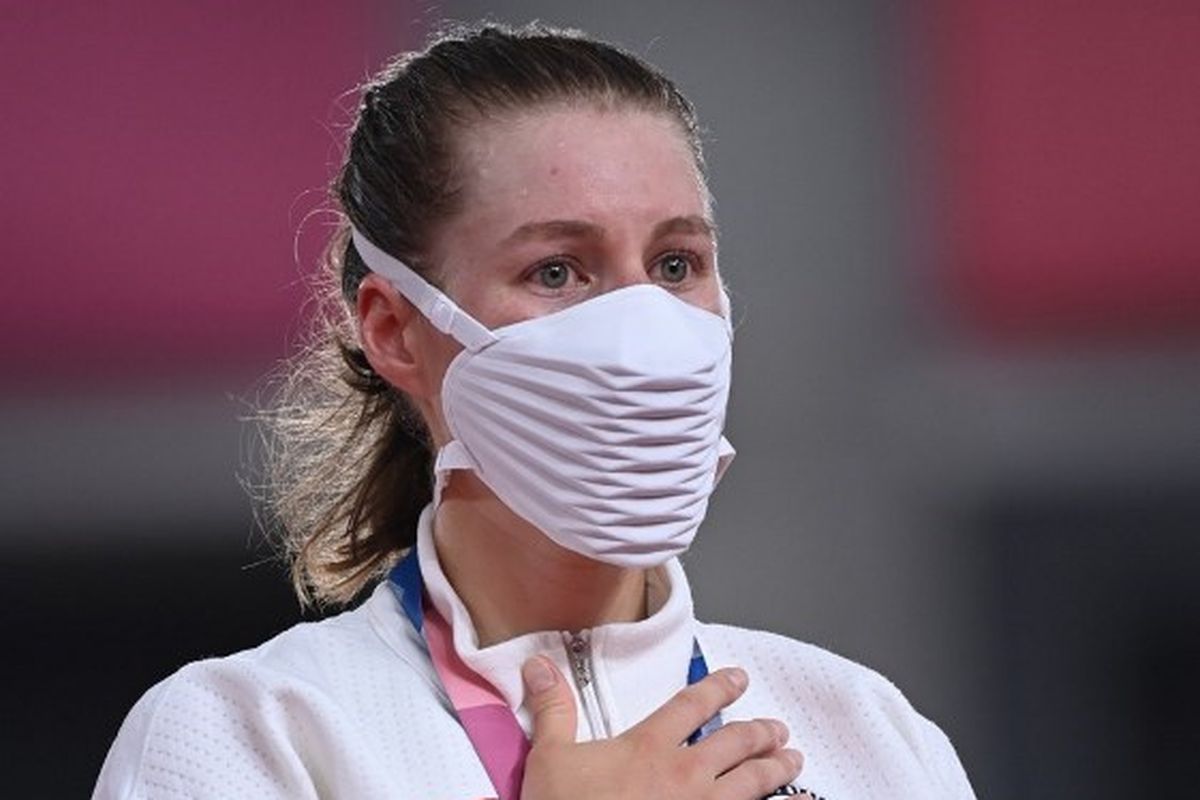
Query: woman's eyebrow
555,229
693,224
579,229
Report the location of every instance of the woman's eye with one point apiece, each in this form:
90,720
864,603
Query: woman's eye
553,275
674,268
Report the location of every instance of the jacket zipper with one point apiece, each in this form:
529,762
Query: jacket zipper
579,654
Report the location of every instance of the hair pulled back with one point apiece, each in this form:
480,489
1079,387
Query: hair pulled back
348,460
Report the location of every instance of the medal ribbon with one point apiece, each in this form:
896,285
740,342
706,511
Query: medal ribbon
490,724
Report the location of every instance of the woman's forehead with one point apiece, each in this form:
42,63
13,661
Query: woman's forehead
585,158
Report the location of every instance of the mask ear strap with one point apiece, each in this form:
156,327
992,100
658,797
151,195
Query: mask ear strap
725,454
451,457
440,310
726,306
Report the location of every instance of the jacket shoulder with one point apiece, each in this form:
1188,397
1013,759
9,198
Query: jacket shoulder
260,722
199,729
840,707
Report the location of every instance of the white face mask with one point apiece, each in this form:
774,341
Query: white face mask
600,424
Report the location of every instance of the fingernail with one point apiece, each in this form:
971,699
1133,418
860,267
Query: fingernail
537,674
739,678
797,759
781,731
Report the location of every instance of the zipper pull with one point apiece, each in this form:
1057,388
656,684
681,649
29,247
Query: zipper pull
577,646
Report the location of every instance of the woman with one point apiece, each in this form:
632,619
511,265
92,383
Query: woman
535,347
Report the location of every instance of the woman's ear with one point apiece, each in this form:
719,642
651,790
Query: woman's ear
387,328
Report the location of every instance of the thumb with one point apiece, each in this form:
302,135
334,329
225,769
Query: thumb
549,700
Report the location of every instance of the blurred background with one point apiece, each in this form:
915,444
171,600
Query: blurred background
964,242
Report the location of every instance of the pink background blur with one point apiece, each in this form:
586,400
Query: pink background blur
1069,149
158,161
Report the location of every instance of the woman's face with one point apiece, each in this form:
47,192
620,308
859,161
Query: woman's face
561,205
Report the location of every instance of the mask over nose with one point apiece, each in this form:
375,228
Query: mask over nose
600,424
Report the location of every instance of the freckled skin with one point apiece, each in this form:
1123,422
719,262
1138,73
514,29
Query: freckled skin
623,170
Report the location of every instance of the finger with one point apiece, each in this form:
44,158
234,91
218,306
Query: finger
692,707
758,777
549,700
736,742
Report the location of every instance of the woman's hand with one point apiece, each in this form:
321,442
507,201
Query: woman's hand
740,761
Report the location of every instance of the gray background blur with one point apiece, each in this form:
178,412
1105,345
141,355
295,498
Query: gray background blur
1009,536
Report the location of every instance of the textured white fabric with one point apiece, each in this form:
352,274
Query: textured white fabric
349,707
600,423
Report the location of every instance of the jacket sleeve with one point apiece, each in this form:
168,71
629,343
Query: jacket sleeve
928,745
119,775
944,762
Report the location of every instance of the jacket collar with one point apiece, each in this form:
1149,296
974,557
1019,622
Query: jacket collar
636,666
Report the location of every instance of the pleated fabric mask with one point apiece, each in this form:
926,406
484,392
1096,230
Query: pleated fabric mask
601,424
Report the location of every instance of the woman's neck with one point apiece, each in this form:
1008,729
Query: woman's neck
514,580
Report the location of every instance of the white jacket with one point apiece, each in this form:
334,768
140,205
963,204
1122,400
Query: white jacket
350,707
